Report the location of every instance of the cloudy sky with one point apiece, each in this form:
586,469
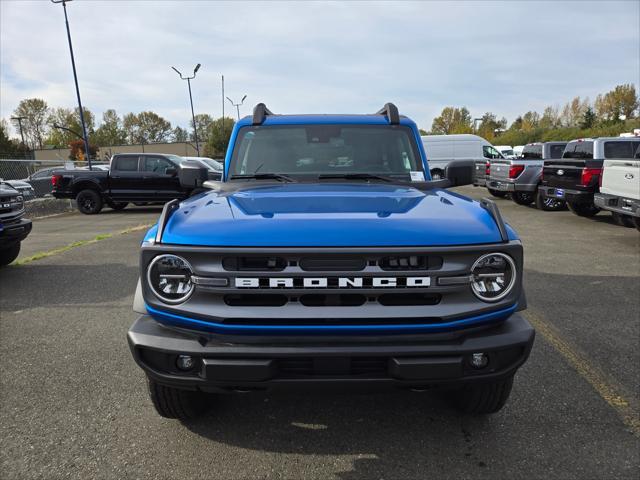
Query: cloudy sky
504,57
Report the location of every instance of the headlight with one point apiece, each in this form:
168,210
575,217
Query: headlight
169,276
494,275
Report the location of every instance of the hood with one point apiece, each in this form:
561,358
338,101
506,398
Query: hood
330,215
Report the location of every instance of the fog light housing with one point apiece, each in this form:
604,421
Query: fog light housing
185,362
479,360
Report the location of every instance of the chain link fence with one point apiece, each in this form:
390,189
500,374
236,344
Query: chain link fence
32,178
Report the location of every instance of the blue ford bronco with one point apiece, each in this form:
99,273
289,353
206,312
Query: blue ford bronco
326,257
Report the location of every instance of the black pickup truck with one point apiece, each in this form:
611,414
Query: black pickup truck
132,177
575,177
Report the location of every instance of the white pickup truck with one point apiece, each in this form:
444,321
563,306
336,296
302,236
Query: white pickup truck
620,189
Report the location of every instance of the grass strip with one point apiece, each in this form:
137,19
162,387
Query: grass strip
80,243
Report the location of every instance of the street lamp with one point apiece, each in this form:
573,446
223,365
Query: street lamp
193,115
60,127
237,105
85,137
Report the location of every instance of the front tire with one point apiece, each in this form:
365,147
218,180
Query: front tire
523,198
497,193
583,209
175,403
89,202
482,398
549,204
8,255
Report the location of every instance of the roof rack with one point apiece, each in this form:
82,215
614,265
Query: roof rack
260,112
391,112
491,207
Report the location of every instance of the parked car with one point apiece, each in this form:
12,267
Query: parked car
214,167
517,150
521,176
575,176
41,180
506,151
325,258
25,188
13,227
620,189
133,177
442,149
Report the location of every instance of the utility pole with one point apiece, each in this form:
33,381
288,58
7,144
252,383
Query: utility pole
193,115
237,105
85,137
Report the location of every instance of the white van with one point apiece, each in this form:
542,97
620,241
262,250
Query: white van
506,151
442,149
517,150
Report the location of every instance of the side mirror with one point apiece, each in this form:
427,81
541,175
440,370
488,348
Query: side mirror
192,175
171,171
460,172
216,176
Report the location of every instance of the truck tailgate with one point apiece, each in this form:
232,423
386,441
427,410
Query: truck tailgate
500,169
566,174
622,178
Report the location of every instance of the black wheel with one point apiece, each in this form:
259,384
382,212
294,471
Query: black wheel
9,254
549,204
623,220
482,398
583,209
174,403
118,205
497,193
523,198
89,202
437,174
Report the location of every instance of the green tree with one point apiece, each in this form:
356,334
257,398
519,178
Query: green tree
110,132
490,125
452,120
622,100
70,119
550,118
203,122
9,146
218,137
588,118
146,127
180,135
530,121
35,113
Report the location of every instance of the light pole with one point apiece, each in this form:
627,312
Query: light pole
193,115
237,105
85,137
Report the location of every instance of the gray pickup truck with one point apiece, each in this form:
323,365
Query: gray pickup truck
522,176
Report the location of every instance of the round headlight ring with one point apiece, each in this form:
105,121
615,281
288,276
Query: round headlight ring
175,265
510,282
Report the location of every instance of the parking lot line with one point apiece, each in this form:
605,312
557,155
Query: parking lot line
65,248
607,388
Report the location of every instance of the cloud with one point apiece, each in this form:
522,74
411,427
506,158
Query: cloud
504,57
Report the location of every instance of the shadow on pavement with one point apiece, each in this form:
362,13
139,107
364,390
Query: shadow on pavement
396,435
36,284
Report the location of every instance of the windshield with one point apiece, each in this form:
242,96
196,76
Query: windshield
212,164
326,150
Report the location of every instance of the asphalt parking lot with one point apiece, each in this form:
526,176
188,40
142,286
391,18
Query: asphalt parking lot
74,404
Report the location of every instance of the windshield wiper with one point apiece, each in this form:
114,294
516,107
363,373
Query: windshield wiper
264,176
356,176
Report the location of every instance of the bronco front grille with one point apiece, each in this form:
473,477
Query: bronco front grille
331,287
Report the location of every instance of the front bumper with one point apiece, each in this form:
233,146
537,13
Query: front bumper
394,361
570,195
14,232
614,203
